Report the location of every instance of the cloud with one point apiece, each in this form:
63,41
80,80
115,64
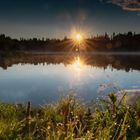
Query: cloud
129,5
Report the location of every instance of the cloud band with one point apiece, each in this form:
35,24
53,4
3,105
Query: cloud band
129,5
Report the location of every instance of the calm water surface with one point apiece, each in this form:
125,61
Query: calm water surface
41,80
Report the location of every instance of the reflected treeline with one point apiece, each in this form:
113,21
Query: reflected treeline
119,62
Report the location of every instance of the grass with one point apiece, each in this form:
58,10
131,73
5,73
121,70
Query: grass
68,119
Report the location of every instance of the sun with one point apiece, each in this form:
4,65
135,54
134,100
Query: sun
78,37
78,40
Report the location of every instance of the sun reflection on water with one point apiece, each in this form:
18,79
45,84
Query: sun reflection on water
77,65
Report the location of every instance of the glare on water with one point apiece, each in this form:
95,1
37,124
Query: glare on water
77,64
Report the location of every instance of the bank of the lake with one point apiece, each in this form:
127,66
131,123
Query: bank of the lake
69,119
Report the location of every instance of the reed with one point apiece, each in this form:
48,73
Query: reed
68,119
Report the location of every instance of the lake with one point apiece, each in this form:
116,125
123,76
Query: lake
43,78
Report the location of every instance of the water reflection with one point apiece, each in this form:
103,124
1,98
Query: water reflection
77,68
77,64
44,78
119,62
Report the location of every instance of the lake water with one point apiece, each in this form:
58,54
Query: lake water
44,78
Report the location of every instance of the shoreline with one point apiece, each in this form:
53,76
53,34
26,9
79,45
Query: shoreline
69,119
76,53
79,53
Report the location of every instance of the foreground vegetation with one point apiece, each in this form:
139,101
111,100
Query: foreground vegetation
70,120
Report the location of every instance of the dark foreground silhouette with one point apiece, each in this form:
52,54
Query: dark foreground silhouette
120,42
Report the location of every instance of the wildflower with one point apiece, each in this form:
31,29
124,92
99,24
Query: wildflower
48,127
128,126
72,135
60,124
76,117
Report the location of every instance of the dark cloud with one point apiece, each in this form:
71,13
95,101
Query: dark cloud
129,5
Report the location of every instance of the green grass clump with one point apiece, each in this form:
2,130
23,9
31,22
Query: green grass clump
68,119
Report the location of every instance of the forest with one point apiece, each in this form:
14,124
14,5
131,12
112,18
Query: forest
116,42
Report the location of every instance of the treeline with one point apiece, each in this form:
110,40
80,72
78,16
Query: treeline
117,42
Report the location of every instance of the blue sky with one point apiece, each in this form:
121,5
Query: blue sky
56,18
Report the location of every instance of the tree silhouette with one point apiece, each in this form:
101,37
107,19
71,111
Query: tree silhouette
117,42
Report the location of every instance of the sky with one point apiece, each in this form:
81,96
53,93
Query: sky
58,18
